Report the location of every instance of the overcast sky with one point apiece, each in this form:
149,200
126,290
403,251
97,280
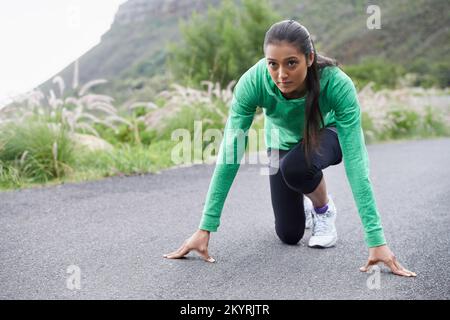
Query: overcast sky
41,37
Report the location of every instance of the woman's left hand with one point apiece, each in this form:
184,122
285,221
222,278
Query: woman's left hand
385,255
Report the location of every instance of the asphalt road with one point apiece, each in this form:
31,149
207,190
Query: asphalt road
114,232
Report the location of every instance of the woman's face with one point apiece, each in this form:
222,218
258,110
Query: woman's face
288,68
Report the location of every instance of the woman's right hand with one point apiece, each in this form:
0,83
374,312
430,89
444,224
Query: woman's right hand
198,242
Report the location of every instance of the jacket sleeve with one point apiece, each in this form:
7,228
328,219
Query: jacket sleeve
347,109
232,148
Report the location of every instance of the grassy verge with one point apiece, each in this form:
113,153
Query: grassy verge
39,153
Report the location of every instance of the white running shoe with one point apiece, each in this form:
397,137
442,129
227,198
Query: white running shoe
324,234
309,208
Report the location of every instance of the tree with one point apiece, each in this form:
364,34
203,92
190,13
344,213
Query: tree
222,45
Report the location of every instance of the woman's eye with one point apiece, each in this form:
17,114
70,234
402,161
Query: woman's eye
292,63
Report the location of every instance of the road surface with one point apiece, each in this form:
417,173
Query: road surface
105,239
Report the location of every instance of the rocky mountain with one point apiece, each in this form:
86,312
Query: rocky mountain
411,31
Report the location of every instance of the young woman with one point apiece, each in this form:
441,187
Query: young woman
312,105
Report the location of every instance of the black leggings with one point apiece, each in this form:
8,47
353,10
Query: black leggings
290,178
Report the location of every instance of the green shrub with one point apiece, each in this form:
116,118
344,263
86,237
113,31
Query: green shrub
185,119
404,123
127,134
38,152
433,125
124,159
222,44
10,177
128,159
431,73
382,73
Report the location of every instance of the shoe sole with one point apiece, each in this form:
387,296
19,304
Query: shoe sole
331,244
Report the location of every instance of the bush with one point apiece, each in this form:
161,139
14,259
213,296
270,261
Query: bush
10,177
406,123
222,45
129,159
124,159
36,151
430,73
386,75
433,125
382,73
126,134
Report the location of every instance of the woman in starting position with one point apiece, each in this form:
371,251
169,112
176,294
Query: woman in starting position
312,106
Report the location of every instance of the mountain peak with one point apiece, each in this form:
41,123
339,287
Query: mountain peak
135,11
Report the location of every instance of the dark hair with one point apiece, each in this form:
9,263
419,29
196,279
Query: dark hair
297,35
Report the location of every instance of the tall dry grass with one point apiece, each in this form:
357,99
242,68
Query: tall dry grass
409,112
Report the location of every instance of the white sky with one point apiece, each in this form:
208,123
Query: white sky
40,37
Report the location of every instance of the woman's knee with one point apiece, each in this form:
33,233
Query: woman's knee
297,173
289,237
